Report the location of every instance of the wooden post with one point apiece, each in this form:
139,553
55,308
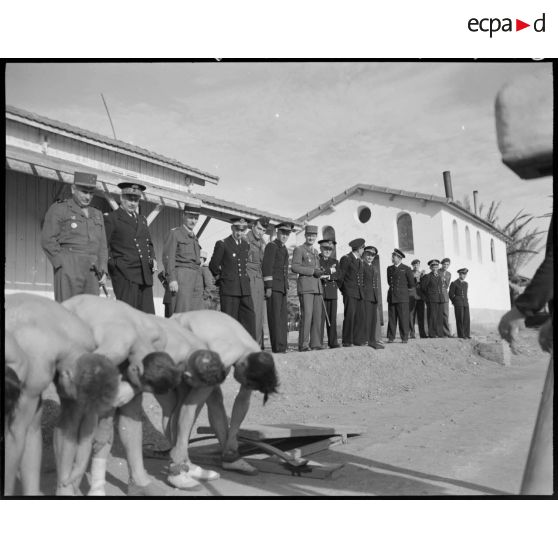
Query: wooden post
108,196
154,213
202,228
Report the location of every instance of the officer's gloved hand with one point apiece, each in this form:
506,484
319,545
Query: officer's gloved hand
317,273
268,293
173,286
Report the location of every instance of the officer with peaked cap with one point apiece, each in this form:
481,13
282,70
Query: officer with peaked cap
275,269
417,313
400,280
181,258
432,290
229,267
458,295
73,238
330,268
131,261
306,263
351,285
371,281
446,281
255,239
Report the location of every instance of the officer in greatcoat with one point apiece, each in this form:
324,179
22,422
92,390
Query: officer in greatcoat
275,269
229,265
432,290
351,285
306,263
458,295
74,240
400,280
131,262
446,281
371,280
330,269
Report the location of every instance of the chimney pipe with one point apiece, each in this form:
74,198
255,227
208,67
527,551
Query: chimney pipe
476,201
447,184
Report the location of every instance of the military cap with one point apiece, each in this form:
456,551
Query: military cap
463,270
85,179
310,229
191,209
446,260
286,227
239,222
263,221
371,249
357,243
415,261
398,252
326,241
433,262
131,188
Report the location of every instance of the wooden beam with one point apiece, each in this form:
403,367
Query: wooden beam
108,196
204,225
154,213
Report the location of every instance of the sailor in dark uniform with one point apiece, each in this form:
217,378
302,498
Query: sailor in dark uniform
73,238
330,269
131,261
400,280
229,267
275,270
458,296
432,290
371,297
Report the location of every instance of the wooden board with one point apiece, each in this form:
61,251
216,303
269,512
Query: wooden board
276,466
290,430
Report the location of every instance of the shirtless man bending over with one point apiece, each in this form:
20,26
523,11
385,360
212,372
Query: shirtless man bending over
253,369
58,347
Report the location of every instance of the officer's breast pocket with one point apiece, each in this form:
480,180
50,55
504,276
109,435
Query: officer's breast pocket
185,249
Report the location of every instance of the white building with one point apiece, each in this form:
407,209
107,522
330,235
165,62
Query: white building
423,226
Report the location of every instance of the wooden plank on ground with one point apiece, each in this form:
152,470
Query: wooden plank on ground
289,430
315,470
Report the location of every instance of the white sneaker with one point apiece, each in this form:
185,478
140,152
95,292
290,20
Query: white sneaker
196,472
97,491
183,481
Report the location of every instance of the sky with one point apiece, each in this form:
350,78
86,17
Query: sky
285,137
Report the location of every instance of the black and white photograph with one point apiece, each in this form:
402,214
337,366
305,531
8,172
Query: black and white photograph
278,278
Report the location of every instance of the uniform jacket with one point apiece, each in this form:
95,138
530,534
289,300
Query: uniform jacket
181,249
458,293
351,280
255,255
446,281
275,267
371,283
418,275
432,288
330,266
130,246
67,230
400,280
229,266
305,261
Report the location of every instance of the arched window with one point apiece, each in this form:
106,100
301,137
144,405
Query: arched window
455,238
405,233
492,251
479,247
468,242
328,233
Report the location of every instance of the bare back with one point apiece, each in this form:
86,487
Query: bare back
221,333
181,342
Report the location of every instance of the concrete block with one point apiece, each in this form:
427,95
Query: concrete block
498,351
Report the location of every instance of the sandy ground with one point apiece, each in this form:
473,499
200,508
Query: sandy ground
437,420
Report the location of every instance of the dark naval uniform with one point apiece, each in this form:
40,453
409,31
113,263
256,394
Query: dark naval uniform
400,279
181,258
432,290
371,281
351,285
131,258
329,266
446,281
229,267
275,269
254,267
458,296
74,239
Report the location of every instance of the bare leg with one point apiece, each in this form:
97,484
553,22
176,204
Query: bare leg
217,416
239,412
130,431
30,466
65,445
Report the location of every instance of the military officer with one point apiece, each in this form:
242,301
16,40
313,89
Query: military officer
74,240
255,257
371,281
351,285
416,303
229,267
432,291
275,269
131,262
306,263
181,258
458,296
446,281
329,266
400,280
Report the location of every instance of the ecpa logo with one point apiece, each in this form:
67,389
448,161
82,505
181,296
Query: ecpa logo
494,24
